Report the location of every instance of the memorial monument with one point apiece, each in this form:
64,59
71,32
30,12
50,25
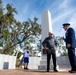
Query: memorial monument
46,27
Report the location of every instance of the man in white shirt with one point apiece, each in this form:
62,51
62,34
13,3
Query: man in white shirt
26,57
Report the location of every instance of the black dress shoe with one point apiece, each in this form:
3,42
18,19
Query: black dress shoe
26,68
47,71
72,71
55,70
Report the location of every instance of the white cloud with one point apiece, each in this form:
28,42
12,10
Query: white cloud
65,13
64,4
72,21
22,15
63,10
60,5
59,33
26,8
63,16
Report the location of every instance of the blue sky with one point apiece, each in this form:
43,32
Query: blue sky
62,11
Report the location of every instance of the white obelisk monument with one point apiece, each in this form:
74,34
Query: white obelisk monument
46,28
46,24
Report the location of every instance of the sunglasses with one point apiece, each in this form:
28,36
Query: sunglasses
51,34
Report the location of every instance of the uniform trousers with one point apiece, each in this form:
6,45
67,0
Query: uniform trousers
72,58
49,54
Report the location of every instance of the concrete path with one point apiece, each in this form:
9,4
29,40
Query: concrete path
35,72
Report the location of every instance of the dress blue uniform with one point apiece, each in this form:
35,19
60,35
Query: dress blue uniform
70,39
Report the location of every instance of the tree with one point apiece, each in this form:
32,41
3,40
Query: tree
39,46
15,32
62,47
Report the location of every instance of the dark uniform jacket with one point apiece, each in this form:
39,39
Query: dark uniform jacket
50,43
70,37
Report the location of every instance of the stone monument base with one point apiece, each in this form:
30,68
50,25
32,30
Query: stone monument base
62,62
43,63
7,62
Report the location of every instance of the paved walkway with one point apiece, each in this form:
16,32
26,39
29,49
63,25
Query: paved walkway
34,72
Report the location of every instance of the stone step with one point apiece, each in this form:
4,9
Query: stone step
45,57
43,67
44,62
62,62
